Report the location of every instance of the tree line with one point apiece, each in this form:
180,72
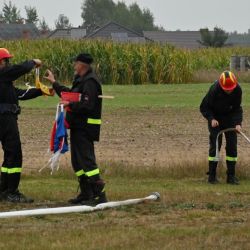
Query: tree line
96,13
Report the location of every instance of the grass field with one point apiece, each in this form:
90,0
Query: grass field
153,139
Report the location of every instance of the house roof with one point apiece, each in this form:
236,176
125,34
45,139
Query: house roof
112,27
182,39
238,39
67,33
14,31
60,33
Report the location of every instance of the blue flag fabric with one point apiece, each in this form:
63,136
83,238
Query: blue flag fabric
60,140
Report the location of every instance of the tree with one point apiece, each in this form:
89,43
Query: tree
216,38
31,15
10,13
96,13
2,18
62,22
43,26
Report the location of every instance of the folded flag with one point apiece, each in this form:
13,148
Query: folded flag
58,140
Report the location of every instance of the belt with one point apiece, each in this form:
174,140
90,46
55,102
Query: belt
6,108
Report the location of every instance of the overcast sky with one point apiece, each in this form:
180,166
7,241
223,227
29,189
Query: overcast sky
171,14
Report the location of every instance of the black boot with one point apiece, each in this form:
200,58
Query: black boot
212,172
98,188
231,178
17,197
86,193
12,193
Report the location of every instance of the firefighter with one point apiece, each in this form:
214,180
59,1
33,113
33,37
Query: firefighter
83,118
222,108
9,134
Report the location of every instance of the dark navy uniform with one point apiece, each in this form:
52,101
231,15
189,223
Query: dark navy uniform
84,120
226,109
9,133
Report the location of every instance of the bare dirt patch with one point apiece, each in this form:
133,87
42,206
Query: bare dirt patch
135,137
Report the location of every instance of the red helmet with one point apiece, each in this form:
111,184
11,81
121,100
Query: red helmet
4,53
228,81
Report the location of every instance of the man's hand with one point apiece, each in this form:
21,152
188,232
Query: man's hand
50,76
37,62
65,103
214,123
238,128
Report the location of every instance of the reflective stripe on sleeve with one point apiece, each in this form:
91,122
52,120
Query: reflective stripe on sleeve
94,121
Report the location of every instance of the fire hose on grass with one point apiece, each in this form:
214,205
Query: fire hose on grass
79,209
217,156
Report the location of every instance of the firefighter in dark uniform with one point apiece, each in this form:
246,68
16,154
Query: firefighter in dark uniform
9,134
222,108
84,120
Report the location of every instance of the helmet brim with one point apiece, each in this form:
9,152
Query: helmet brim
229,88
6,57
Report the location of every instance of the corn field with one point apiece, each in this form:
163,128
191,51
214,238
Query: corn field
127,63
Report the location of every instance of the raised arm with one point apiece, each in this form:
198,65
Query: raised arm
13,72
56,85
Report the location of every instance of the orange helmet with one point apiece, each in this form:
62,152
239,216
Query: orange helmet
228,81
4,53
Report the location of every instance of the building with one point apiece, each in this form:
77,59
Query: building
70,33
180,39
189,39
238,40
16,31
118,33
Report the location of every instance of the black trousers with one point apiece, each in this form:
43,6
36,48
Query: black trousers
83,155
11,144
231,141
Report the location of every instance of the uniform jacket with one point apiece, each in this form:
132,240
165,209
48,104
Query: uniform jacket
219,105
85,114
9,94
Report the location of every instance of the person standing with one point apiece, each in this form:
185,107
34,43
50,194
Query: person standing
9,133
83,118
222,108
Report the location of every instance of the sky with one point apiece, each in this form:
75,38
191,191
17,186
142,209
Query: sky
231,15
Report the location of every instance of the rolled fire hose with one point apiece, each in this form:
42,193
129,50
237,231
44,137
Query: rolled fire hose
217,156
79,209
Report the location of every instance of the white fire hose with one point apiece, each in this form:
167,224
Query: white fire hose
79,209
217,156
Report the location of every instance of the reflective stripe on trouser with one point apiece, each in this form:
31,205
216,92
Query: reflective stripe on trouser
212,158
8,170
83,155
89,173
94,121
228,158
232,159
10,178
231,143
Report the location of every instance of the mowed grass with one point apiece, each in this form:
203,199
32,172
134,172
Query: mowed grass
153,96
191,213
